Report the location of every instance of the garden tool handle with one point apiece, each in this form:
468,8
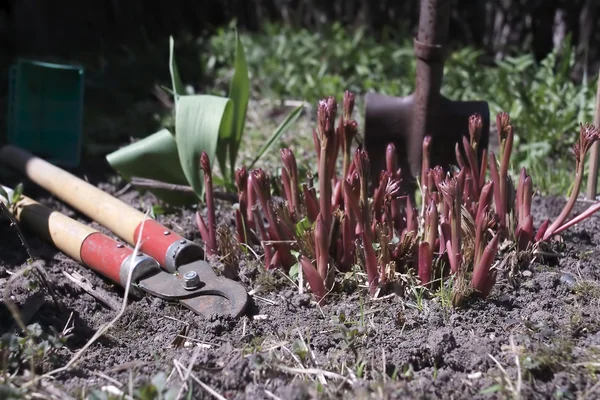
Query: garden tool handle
86,245
164,245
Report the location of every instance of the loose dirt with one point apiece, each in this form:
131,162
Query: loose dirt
537,335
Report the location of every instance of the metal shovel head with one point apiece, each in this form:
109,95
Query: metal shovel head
389,119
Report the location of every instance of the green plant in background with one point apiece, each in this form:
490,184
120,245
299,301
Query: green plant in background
543,101
204,123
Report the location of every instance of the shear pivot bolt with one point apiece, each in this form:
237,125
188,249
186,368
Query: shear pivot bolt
182,241
191,280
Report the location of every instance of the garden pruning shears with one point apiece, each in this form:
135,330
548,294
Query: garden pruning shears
184,276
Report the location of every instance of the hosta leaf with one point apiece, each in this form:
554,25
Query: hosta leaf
200,121
239,93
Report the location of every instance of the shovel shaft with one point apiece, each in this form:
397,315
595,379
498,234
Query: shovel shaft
167,247
80,242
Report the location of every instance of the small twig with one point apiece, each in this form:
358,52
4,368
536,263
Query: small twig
88,288
108,378
146,183
207,388
314,371
271,395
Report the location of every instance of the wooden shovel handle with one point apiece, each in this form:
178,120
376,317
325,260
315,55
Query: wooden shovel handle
80,242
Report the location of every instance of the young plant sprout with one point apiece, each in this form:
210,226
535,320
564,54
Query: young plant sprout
341,224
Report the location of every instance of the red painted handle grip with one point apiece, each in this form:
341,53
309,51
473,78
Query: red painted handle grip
104,255
167,247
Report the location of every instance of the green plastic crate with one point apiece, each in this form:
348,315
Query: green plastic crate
45,110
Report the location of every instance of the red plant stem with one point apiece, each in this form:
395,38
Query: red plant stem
263,236
411,216
483,172
498,195
542,230
519,199
348,237
391,159
287,190
353,202
317,144
425,163
212,247
275,261
570,204
505,162
202,227
425,263
322,248
527,196
312,206
239,225
591,210
432,224
325,194
379,194
251,196
313,278
459,158
481,273
474,168
370,261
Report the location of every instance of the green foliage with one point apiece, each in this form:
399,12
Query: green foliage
203,123
544,103
31,349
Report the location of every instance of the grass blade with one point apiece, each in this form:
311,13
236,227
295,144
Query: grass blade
239,93
175,77
289,120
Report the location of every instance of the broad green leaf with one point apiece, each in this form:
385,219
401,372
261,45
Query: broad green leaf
199,122
4,195
239,93
154,157
280,130
175,77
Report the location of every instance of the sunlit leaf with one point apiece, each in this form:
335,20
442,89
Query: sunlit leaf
178,88
200,121
239,93
153,157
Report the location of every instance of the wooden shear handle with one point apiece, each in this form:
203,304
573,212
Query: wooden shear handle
165,246
86,245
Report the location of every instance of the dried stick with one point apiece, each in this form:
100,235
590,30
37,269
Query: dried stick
146,183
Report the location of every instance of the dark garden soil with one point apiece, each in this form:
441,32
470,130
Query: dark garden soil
354,347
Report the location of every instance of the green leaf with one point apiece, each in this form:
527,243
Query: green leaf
286,124
154,157
3,194
239,93
294,269
200,121
175,77
17,193
302,226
